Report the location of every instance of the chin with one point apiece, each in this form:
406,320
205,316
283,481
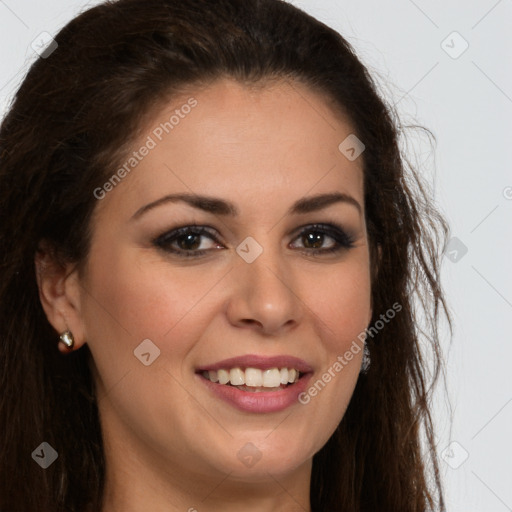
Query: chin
260,460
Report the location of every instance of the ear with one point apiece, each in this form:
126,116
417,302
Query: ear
59,293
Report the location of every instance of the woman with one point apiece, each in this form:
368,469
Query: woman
205,208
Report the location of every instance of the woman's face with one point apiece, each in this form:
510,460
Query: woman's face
244,278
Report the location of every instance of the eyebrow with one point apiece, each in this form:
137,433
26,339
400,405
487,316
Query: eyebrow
219,206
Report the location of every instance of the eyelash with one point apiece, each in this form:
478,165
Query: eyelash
343,241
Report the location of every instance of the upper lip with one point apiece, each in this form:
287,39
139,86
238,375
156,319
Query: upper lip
260,362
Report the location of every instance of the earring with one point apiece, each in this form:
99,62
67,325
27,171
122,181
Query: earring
366,359
67,338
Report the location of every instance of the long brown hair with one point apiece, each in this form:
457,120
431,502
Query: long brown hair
71,123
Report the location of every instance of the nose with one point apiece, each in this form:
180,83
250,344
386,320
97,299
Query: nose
265,295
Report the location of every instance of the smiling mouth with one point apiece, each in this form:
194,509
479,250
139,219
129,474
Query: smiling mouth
253,379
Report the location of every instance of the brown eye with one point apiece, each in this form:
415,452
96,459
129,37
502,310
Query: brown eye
313,241
189,242
315,236
186,241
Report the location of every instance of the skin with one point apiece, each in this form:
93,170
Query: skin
170,444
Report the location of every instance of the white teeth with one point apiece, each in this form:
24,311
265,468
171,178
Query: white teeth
236,377
271,378
223,376
254,377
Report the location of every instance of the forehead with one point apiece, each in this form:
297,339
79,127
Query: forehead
231,140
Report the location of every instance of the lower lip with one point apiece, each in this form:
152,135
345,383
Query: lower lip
259,402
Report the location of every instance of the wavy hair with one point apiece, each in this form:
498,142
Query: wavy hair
72,120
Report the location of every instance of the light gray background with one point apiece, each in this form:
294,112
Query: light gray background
465,99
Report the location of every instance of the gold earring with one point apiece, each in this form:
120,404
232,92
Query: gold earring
67,338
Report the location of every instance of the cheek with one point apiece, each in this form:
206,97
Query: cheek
342,305
128,301
146,298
